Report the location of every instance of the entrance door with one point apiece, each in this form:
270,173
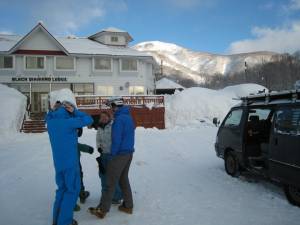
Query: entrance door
39,102
44,102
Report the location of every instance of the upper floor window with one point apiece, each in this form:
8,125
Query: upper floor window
64,63
129,65
35,62
114,39
102,64
6,62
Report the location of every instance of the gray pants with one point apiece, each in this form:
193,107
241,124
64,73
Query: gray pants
117,171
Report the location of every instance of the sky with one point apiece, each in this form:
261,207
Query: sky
215,26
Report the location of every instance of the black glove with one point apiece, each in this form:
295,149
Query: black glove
91,150
100,150
101,167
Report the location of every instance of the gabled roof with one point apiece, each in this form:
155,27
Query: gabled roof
112,30
38,26
71,45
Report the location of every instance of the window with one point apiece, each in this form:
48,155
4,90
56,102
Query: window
136,90
83,89
128,65
114,39
105,90
261,114
234,118
288,121
6,62
64,63
102,64
35,62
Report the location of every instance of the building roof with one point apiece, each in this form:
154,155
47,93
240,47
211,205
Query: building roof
165,83
71,45
112,30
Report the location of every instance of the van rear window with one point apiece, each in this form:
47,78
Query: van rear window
288,121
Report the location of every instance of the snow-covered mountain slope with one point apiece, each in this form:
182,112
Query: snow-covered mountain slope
189,64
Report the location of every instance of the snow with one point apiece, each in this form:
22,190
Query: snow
195,104
165,83
175,175
62,95
13,105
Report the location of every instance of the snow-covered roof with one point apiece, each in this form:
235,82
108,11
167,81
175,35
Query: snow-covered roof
8,41
165,83
115,30
72,45
90,47
112,30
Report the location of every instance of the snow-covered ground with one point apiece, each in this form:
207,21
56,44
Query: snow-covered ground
176,179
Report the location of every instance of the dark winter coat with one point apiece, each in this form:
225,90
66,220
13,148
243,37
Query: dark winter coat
122,132
62,129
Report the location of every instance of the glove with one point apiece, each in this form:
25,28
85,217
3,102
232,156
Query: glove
100,150
90,150
101,166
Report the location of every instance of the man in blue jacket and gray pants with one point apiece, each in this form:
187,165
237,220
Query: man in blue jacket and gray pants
62,123
122,148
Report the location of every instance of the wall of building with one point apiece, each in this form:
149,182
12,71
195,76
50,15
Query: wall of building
84,73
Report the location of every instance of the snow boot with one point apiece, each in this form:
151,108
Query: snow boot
124,209
97,212
83,195
74,222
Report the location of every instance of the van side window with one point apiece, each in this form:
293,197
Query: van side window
234,118
288,121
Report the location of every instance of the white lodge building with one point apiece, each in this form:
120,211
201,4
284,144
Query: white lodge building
101,64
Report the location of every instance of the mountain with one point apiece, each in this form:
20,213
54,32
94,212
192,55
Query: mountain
181,63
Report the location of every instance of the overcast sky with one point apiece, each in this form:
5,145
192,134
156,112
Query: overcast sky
216,26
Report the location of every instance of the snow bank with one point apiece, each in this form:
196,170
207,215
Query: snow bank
194,105
13,105
61,95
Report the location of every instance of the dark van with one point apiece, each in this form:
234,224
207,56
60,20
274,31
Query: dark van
262,135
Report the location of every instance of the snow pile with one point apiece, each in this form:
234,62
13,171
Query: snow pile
62,95
13,105
165,83
194,105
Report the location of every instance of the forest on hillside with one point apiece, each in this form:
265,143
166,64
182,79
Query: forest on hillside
279,74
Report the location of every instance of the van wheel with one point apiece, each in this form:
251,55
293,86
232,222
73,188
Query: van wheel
293,194
231,164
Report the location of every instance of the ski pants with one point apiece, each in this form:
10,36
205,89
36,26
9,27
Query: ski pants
68,183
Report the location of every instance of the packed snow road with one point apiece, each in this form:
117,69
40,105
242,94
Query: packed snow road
176,179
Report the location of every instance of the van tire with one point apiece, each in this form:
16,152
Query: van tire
292,194
231,164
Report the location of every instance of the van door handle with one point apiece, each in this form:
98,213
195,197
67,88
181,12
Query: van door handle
276,141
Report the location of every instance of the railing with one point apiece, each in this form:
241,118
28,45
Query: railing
99,101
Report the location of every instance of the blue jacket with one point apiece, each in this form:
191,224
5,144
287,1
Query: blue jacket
122,132
62,132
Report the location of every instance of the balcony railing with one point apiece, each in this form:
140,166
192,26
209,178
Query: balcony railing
99,101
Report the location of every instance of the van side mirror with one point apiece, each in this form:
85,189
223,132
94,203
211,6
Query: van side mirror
216,122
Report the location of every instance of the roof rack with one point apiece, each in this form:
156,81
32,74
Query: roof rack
269,97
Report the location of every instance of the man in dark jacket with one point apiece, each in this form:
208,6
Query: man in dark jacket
117,169
62,124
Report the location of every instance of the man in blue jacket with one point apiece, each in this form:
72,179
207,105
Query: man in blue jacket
122,148
62,124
